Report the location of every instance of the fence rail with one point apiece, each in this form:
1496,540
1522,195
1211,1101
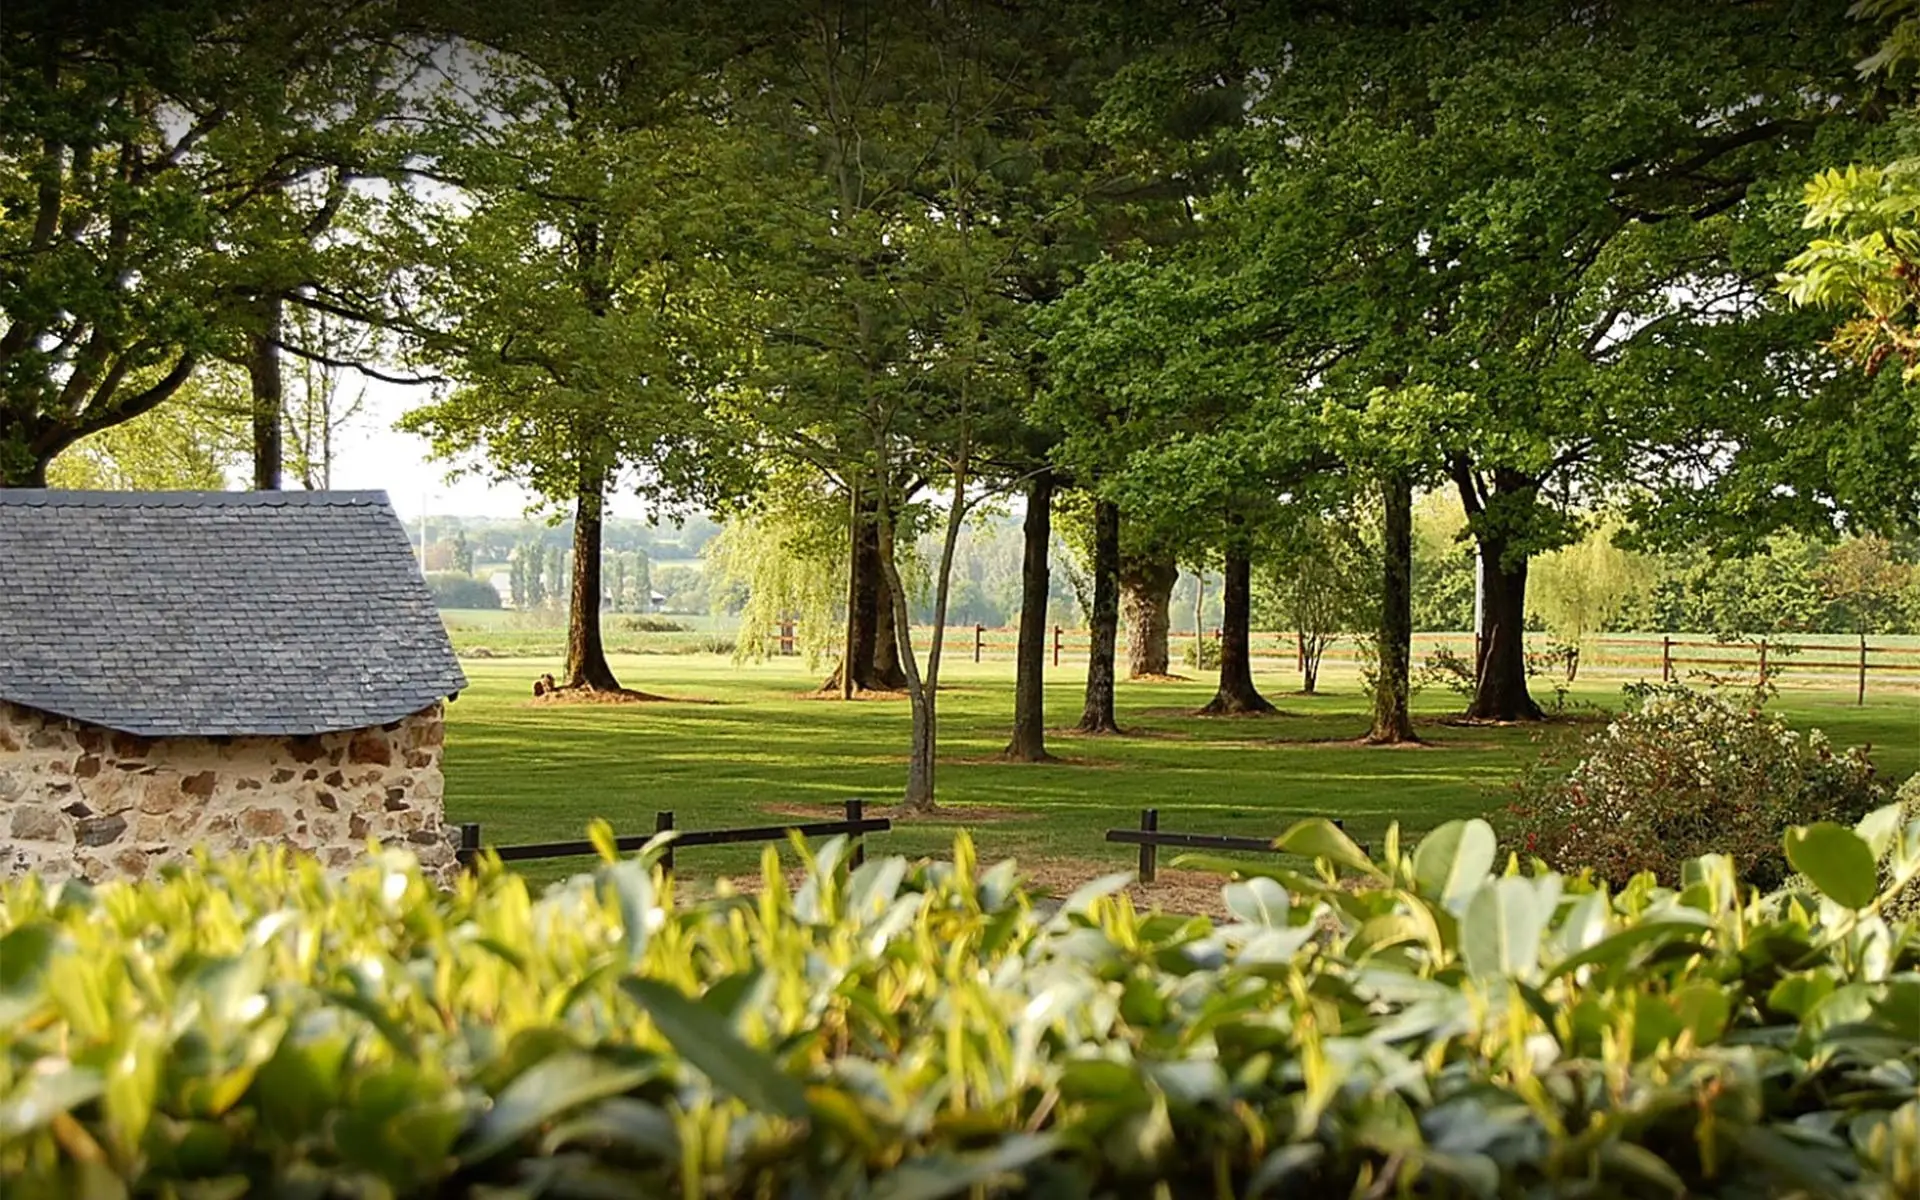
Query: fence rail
856,825
1150,837
1782,659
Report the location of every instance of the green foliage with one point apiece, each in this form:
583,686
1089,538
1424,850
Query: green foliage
452,589
789,559
1683,773
189,443
1584,588
916,1030
1319,582
162,168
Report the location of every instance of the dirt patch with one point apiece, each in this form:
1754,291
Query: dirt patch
834,694
1361,743
601,696
1552,720
1159,679
1190,892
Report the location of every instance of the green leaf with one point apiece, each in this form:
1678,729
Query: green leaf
1082,897
1879,827
1643,1165
706,1039
600,834
631,882
1612,950
1258,902
632,1125
1500,933
546,1090
24,953
1454,859
1837,860
937,1176
1319,838
43,1095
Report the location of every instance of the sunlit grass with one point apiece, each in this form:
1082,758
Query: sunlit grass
741,742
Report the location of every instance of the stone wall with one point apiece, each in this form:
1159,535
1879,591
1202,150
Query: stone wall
76,799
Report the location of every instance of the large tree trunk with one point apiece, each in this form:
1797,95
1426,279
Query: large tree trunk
269,399
1501,694
871,644
1236,693
1097,715
1029,742
1146,603
586,655
1392,712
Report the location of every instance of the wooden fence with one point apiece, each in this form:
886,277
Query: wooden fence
1828,664
1150,837
856,825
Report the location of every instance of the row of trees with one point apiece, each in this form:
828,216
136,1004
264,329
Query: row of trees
1208,280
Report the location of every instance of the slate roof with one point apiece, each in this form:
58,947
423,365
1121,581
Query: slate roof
204,613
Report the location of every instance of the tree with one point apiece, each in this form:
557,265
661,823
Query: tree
189,443
567,284
1029,742
158,156
1863,582
1580,589
1097,713
1319,583
784,553
1147,575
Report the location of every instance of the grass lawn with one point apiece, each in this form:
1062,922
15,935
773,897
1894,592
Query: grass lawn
755,750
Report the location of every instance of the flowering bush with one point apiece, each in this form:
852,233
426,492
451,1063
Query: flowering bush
1682,773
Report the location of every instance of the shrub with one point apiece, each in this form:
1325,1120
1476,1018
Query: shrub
453,590
1682,773
256,1028
649,624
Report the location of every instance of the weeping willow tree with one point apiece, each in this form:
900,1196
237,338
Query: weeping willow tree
788,553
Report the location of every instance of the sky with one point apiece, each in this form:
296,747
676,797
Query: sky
369,453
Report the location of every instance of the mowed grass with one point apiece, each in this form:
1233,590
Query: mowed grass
745,745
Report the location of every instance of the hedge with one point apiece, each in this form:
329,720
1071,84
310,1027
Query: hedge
1417,1025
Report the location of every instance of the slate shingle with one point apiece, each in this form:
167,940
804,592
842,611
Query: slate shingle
206,613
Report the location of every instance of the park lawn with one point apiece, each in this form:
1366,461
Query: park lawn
743,745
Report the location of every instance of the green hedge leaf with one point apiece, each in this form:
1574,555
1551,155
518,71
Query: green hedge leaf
1454,859
545,1091
1836,860
707,1040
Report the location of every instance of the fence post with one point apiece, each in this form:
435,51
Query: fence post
979,636
663,823
1149,822
1763,662
1666,659
1861,697
1056,645
469,852
859,856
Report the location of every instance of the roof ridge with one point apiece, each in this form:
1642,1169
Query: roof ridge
74,498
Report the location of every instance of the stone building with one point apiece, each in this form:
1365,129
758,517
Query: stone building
223,669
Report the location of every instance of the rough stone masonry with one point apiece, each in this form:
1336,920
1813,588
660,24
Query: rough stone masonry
81,800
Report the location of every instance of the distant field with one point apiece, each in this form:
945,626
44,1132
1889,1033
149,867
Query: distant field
742,746
488,633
